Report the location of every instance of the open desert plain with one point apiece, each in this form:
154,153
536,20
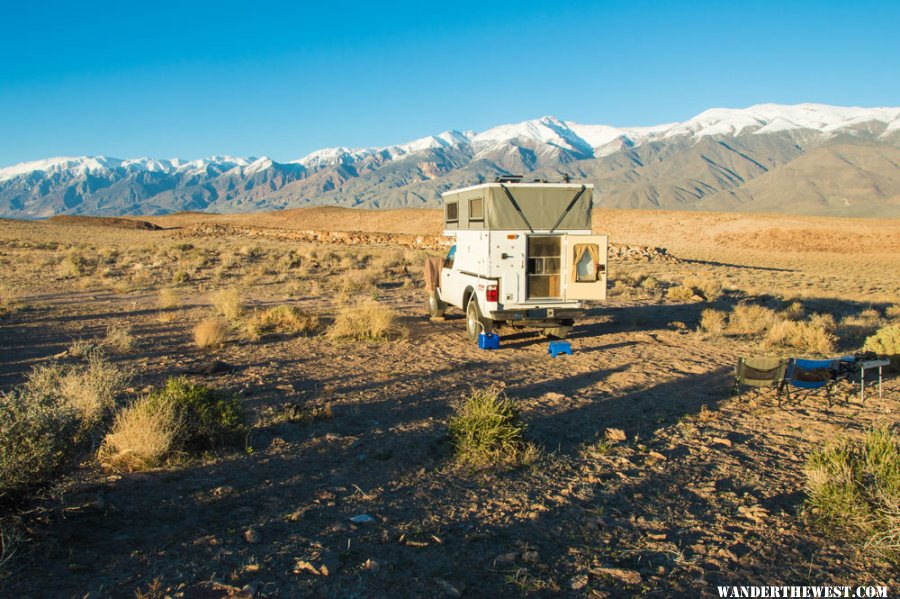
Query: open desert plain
329,459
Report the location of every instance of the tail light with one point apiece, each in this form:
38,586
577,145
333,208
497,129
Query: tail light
492,294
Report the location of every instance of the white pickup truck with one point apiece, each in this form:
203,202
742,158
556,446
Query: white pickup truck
523,255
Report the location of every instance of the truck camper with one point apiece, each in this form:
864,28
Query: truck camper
523,254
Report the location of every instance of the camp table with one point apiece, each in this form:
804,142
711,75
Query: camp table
866,365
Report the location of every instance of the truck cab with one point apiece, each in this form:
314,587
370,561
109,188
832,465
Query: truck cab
523,254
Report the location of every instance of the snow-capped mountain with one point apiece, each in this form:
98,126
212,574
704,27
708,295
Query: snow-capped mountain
705,162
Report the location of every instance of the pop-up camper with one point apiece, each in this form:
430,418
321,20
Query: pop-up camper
523,254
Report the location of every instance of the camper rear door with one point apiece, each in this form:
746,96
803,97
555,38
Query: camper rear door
585,266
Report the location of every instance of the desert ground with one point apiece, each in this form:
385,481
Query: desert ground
645,475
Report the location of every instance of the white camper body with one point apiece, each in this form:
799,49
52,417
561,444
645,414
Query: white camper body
523,254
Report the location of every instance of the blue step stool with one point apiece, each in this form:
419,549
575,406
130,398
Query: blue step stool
559,347
488,341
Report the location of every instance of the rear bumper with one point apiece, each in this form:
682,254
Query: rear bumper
538,315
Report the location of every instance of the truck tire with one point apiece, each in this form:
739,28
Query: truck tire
475,322
436,307
557,332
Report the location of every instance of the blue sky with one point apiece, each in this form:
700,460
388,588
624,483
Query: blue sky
192,79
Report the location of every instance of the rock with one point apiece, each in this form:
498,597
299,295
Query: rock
721,441
656,536
216,590
507,558
373,565
252,536
620,574
578,582
656,456
362,519
305,567
757,513
330,563
452,589
615,435
324,564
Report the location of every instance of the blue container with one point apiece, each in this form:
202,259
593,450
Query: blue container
488,341
559,347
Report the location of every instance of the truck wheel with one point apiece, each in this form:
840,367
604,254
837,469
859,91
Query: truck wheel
436,307
557,332
475,322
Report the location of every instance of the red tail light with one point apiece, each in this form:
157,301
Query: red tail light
492,294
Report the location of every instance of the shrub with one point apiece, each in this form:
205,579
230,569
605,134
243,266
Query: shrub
119,338
80,348
89,390
886,342
206,418
707,288
795,311
228,303
357,281
712,322
813,336
487,430
857,484
168,298
650,284
749,319
284,320
892,312
142,436
36,440
368,320
76,264
180,276
180,416
681,293
210,333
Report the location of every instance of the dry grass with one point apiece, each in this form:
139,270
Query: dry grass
813,336
282,320
228,303
364,321
142,436
750,320
168,298
119,338
358,281
90,389
210,333
713,322
706,287
682,293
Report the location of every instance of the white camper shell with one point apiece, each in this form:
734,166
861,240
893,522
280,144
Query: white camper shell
523,254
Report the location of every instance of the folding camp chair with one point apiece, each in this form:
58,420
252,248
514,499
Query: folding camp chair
809,376
758,373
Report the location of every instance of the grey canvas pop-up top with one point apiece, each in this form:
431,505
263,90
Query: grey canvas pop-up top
519,206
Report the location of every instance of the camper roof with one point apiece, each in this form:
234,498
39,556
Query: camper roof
546,207
511,185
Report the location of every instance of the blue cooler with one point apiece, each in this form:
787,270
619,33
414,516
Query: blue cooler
488,341
559,347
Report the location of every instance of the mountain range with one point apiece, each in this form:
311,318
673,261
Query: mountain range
806,159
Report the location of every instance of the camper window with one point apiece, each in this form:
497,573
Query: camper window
585,259
452,212
476,209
